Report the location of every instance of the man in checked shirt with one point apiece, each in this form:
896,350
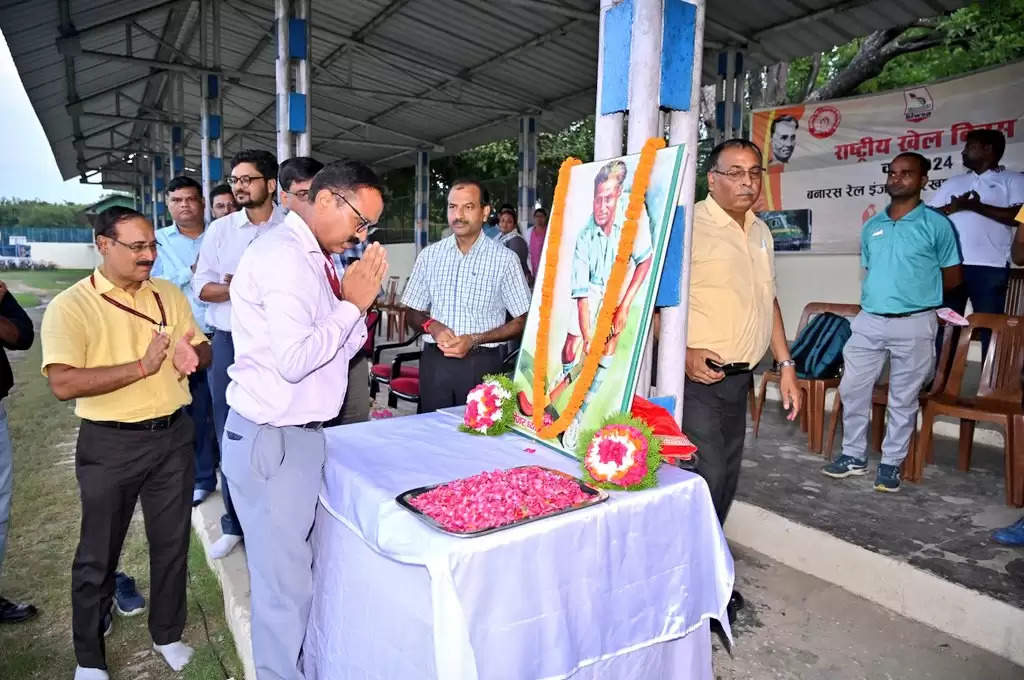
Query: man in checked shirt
461,293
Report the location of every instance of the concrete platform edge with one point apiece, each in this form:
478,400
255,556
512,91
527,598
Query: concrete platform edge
233,575
968,615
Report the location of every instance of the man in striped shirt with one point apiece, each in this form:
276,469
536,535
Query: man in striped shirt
461,293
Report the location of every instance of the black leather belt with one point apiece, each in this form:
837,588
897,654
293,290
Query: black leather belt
906,314
153,424
315,425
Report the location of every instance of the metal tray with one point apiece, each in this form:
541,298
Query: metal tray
596,496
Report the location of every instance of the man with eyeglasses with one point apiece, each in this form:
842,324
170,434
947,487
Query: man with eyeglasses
222,202
733,319
177,251
293,178
121,345
297,325
254,182
910,254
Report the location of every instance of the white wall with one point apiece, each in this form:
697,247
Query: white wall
401,257
66,255
802,278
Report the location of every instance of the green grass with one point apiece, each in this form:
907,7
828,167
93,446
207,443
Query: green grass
52,281
43,536
27,300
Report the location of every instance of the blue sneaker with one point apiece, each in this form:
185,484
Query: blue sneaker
888,478
127,599
1011,535
845,466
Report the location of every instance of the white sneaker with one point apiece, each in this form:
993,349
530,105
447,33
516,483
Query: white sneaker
91,674
223,546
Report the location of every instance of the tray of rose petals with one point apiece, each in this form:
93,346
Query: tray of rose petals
499,499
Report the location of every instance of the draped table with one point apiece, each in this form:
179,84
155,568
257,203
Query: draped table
621,590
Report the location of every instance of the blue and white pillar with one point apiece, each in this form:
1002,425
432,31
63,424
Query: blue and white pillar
527,171
210,126
282,15
729,92
421,209
649,61
299,108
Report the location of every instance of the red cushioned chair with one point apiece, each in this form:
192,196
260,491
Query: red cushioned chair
380,374
402,385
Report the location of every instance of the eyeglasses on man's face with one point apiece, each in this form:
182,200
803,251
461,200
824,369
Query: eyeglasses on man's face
301,194
737,174
364,223
137,247
244,180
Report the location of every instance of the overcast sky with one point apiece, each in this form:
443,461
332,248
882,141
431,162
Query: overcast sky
27,168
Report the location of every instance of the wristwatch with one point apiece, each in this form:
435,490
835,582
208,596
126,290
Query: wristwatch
786,362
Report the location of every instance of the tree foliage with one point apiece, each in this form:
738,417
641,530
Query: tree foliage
30,213
974,37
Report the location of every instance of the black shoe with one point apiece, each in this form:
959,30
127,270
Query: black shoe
736,603
15,612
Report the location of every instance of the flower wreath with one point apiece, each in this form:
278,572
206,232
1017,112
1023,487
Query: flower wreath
621,454
641,179
490,408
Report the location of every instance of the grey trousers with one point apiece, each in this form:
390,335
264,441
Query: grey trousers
909,344
275,475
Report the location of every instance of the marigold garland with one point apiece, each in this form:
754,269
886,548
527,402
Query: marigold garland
641,178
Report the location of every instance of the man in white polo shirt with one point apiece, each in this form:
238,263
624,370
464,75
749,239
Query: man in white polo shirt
982,205
254,182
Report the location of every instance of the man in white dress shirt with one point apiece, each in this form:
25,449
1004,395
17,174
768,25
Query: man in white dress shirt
982,205
296,326
254,182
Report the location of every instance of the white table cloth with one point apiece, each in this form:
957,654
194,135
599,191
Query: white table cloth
591,593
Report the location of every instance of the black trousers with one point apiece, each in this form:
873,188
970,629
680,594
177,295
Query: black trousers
715,420
114,469
445,382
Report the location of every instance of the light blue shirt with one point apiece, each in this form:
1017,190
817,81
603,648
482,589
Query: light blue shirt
471,292
904,259
176,253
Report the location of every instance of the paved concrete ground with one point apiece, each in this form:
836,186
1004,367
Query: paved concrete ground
942,525
796,626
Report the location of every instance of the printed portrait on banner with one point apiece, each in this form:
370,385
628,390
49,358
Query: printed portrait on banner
593,224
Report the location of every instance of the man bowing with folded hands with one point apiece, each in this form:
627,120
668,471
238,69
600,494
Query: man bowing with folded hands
295,327
122,345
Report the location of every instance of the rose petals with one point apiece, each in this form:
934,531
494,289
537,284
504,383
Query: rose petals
496,498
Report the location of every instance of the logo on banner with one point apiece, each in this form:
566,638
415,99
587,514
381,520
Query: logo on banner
919,104
824,121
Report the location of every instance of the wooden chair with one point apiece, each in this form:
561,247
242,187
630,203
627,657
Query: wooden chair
999,398
812,415
1015,293
880,399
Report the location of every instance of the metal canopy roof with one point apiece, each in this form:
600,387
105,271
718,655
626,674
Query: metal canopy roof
389,76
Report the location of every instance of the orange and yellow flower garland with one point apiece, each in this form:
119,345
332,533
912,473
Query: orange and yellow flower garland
641,178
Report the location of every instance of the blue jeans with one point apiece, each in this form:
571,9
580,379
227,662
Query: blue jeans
201,412
6,476
223,356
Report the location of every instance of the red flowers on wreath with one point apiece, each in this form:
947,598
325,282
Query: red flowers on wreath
621,454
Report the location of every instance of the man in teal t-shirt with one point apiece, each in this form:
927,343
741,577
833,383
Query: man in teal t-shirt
911,255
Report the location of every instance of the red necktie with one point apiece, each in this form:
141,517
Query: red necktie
332,277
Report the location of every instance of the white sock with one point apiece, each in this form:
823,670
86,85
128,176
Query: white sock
176,654
224,545
91,674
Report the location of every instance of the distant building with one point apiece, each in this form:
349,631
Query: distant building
123,200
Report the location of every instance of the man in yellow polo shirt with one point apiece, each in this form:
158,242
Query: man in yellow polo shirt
122,345
733,317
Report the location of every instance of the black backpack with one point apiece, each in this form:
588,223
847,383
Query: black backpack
818,349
